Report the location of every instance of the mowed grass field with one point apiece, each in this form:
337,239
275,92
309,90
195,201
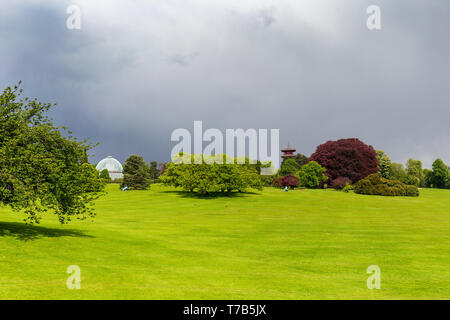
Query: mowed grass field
162,244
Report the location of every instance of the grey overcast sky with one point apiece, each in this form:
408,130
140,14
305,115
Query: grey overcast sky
137,70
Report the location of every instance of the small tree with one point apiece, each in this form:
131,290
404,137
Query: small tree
136,173
154,172
384,165
289,181
440,175
341,182
289,166
104,175
311,175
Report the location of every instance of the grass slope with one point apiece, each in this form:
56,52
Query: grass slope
161,244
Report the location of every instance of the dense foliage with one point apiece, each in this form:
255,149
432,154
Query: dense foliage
439,177
136,173
40,169
374,184
210,178
289,166
398,171
154,171
104,175
349,158
341,182
311,175
289,181
414,173
301,159
384,165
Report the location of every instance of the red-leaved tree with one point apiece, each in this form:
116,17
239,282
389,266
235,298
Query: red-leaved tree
290,181
347,158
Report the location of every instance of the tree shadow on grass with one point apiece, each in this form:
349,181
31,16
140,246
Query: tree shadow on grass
26,232
194,195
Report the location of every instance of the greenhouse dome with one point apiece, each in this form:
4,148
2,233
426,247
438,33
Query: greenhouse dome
112,165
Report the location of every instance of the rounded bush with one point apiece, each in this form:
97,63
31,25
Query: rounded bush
340,183
376,185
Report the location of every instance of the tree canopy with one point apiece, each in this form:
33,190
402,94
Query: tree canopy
40,169
384,164
311,175
440,175
349,158
136,173
289,166
208,177
104,174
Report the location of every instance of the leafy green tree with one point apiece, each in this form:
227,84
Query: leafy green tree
207,178
398,171
428,176
301,159
411,180
440,175
289,166
311,175
384,165
136,173
414,172
154,172
104,174
40,168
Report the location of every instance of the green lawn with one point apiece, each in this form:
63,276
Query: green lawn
162,244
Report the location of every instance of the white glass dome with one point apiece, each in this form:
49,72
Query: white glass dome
112,165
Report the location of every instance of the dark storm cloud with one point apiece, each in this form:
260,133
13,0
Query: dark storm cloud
138,70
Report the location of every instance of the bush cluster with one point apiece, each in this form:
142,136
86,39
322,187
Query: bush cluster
340,183
290,181
374,184
347,188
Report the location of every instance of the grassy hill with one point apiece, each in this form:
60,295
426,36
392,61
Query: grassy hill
162,244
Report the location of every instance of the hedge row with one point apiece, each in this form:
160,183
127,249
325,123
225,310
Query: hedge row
376,185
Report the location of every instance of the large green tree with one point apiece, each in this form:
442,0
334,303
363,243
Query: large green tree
207,178
40,168
440,175
414,171
136,173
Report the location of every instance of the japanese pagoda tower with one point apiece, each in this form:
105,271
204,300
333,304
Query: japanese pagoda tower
288,152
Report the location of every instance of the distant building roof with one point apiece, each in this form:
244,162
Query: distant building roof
110,164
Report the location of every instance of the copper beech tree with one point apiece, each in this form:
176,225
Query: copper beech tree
346,158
